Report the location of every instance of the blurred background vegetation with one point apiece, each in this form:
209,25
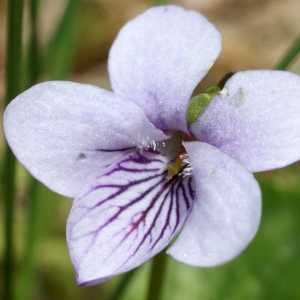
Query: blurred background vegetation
74,46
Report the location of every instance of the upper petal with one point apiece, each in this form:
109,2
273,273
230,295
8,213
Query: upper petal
127,216
226,213
255,119
159,57
65,132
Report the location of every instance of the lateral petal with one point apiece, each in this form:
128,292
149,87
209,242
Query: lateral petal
64,133
159,57
130,214
226,212
255,119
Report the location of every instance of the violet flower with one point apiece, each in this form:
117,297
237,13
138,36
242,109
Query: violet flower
111,150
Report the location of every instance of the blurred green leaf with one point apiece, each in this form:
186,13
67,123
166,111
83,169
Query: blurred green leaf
60,49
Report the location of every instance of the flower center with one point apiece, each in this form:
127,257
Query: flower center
181,165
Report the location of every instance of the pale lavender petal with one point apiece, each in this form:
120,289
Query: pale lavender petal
255,119
129,215
226,212
64,132
159,57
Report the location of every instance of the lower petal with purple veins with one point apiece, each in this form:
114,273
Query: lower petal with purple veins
128,215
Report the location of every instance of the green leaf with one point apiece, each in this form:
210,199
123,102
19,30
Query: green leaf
60,49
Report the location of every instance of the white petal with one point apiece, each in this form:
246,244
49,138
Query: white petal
64,133
255,119
226,213
159,57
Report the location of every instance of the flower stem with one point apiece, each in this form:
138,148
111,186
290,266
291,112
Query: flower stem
290,55
120,289
157,276
13,88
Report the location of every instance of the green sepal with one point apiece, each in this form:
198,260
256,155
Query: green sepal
199,103
212,90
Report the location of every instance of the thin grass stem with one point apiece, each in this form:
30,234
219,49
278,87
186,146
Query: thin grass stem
289,56
13,88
